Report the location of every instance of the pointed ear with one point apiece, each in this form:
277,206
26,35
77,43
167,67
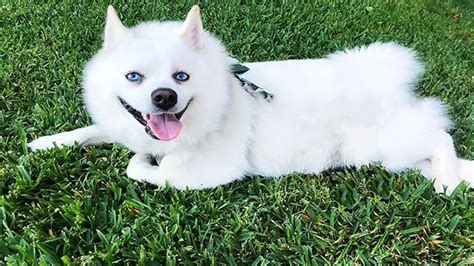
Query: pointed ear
115,31
192,29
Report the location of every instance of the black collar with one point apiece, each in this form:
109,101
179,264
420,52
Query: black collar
251,88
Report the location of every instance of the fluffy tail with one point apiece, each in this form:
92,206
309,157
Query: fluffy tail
390,64
402,62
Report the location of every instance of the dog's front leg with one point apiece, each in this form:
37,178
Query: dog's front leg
90,135
197,173
142,168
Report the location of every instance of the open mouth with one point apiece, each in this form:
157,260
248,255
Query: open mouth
165,126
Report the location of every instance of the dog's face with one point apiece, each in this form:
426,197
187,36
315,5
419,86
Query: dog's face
167,76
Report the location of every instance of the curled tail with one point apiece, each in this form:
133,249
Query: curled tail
397,66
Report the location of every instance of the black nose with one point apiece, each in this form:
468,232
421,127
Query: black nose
164,98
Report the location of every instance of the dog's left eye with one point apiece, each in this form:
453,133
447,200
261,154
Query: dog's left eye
181,76
134,76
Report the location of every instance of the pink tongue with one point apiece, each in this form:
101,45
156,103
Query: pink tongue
165,126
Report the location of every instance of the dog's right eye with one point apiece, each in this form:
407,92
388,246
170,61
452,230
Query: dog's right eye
134,76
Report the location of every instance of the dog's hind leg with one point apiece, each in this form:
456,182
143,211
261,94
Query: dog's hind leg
90,135
466,171
425,167
444,164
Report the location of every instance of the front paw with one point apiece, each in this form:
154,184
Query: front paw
140,167
43,143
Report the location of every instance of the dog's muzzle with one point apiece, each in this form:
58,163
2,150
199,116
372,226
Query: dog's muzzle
144,118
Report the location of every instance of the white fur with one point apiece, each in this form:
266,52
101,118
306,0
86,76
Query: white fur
351,108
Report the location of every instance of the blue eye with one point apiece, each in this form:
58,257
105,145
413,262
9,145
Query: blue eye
134,76
181,76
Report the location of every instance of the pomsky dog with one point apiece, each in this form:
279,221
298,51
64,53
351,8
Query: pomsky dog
165,90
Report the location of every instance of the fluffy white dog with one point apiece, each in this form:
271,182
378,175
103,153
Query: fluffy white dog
165,90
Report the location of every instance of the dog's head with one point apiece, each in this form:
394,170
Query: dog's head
170,78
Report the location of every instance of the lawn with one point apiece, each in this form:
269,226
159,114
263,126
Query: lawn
75,205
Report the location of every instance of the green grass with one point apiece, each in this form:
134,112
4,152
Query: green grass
75,205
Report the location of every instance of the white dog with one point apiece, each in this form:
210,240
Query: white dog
165,90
